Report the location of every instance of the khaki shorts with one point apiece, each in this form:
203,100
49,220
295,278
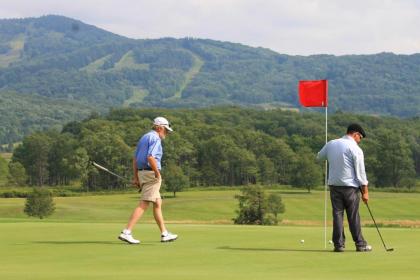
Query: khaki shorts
149,185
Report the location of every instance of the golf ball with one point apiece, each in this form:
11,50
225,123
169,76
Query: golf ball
302,241
368,247
330,241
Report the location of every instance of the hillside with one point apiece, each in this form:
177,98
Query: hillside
72,68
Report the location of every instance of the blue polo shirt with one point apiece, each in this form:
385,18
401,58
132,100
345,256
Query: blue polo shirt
149,145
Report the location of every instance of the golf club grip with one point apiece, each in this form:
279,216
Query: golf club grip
100,166
110,172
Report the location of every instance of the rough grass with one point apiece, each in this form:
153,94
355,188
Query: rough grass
218,207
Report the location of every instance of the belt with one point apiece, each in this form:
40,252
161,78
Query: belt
342,186
146,168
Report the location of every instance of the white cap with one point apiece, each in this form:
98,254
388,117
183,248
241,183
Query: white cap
161,121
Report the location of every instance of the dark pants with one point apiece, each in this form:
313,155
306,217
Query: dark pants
346,198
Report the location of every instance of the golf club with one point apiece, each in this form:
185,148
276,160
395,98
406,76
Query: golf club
110,172
373,219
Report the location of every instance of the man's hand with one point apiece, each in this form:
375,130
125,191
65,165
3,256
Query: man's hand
153,164
365,197
136,182
365,194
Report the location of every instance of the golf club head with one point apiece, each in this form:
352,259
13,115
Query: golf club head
390,249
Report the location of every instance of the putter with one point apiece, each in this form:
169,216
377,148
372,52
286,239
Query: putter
110,172
373,219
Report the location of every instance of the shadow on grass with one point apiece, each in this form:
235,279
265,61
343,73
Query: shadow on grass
293,192
273,249
90,242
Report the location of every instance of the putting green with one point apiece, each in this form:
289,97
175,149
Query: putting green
79,240
39,250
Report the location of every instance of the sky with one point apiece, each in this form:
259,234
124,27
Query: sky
294,27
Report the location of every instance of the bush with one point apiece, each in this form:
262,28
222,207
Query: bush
39,203
256,209
174,179
13,194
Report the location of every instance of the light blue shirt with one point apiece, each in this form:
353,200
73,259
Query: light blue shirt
149,145
346,162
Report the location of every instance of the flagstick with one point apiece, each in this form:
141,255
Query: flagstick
326,182
310,93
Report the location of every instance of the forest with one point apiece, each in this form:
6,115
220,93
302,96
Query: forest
220,146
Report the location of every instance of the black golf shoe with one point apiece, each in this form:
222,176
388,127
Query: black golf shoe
338,249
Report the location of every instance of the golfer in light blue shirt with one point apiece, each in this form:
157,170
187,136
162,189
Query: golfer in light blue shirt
146,169
346,178
149,145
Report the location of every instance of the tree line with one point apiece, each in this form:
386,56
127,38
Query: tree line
217,146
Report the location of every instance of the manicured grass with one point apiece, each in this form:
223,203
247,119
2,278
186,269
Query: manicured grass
39,250
79,240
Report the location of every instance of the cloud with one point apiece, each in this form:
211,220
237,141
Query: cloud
299,27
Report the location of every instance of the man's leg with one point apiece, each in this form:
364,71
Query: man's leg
353,217
338,212
157,213
137,213
166,236
126,235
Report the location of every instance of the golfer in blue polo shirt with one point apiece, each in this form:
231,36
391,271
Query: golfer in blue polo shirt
146,168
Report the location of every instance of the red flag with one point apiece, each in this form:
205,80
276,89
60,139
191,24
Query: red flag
313,93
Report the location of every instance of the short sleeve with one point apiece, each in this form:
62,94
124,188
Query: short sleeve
154,146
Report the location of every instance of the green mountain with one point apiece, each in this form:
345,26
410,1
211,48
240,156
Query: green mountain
65,69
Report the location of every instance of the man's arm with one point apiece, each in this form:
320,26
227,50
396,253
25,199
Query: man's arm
322,155
136,181
153,164
359,169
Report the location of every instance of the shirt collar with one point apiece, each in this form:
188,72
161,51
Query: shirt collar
155,132
349,138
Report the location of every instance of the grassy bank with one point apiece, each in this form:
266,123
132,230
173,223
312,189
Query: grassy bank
217,207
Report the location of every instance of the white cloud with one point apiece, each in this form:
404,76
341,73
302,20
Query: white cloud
292,26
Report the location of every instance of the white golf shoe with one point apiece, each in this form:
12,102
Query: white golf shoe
168,237
128,238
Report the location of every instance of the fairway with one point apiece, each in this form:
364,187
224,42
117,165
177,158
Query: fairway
217,207
79,241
